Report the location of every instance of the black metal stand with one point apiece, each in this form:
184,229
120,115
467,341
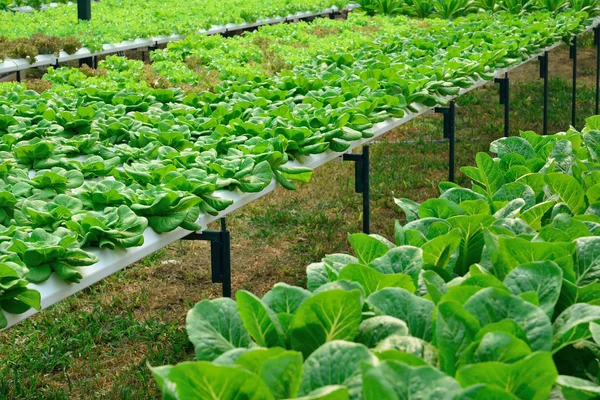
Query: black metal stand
89,61
18,76
84,10
220,254
573,56
505,100
544,75
361,174
597,44
449,126
229,33
150,48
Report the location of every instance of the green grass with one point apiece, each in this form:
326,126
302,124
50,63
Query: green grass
97,344
71,340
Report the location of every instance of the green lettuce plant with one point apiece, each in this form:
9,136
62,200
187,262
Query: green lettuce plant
487,292
167,209
44,253
15,297
115,227
47,215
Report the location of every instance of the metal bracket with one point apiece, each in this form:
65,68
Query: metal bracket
150,48
544,75
228,33
220,254
504,91
543,59
449,114
573,56
503,82
89,61
361,179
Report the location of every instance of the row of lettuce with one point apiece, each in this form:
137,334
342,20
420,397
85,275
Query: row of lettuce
488,292
113,22
22,5
449,9
25,35
97,161
205,63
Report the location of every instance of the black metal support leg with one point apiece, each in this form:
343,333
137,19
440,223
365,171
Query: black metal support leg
89,61
449,125
84,10
361,174
505,100
544,75
220,254
573,56
18,76
597,43
150,49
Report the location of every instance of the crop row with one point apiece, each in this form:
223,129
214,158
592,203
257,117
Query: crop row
449,9
274,48
89,164
507,40
199,62
30,5
57,28
486,292
114,23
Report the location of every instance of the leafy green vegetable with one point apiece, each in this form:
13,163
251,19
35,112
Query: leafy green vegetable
15,297
324,317
44,253
530,378
214,327
116,227
459,307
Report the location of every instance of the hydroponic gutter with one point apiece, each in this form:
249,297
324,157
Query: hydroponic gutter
43,7
14,65
55,289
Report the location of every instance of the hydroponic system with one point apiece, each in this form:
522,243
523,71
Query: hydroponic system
485,292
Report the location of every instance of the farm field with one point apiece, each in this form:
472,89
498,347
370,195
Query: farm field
114,23
149,300
96,160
